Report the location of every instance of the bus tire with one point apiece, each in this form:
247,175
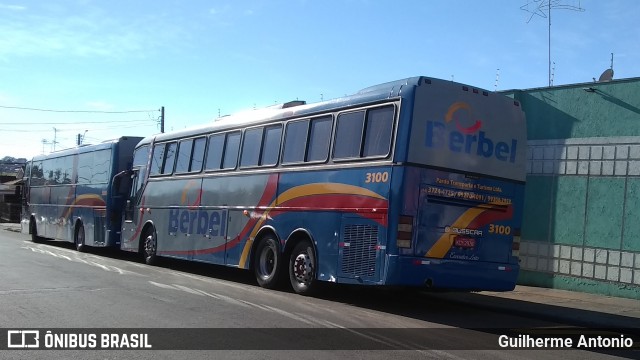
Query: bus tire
79,238
266,262
33,229
150,247
302,269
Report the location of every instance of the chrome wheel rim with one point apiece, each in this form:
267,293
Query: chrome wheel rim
303,268
150,245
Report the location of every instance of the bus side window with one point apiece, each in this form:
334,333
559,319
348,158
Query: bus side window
348,135
197,156
37,175
164,156
231,150
319,139
47,171
251,147
379,129
271,145
190,155
170,158
184,156
214,152
295,141
67,170
157,159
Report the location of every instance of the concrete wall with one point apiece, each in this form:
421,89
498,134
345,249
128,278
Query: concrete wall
581,228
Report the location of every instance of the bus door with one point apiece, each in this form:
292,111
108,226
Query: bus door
133,213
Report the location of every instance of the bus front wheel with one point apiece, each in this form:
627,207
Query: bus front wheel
302,269
266,265
149,248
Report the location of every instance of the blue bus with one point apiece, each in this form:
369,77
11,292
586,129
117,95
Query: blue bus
75,195
417,182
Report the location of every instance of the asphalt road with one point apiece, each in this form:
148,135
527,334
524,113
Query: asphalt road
51,286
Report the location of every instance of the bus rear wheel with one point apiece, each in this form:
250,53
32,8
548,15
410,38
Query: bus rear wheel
266,262
150,247
302,269
79,238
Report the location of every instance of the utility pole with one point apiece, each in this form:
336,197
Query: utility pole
55,138
162,119
80,138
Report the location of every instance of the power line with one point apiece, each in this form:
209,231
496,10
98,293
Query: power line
75,129
78,111
75,122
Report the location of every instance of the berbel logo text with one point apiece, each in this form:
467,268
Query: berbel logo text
23,339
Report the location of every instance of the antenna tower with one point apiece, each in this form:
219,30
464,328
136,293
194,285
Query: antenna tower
611,61
543,8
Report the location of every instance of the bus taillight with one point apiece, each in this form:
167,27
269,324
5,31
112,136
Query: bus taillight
515,246
405,231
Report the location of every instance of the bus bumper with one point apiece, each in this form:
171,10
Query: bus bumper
451,274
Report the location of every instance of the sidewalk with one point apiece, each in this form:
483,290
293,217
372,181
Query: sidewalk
10,227
571,307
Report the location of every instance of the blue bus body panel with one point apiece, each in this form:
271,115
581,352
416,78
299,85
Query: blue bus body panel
326,204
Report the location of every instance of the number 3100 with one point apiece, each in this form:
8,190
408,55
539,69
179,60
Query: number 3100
499,229
377,177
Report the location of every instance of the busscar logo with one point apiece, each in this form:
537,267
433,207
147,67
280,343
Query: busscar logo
23,339
463,139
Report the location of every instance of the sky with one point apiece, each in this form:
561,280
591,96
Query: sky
103,69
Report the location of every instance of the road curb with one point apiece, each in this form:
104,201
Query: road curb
545,311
